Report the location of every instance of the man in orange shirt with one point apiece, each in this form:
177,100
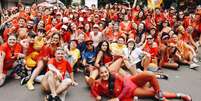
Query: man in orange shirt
9,52
55,80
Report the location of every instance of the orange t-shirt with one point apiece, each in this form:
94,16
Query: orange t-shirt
126,27
62,66
9,53
185,37
152,50
46,51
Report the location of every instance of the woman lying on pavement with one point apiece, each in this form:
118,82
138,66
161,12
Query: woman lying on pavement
123,87
56,81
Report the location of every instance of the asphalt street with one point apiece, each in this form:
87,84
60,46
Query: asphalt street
184,80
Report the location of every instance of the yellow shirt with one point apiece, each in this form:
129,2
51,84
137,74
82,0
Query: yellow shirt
117,49
75,53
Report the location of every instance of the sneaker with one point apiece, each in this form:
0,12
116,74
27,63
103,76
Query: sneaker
159,96
187,98
164,76
184,97
195,60
194,65
24,80
2,81
30,85
57,98
49,97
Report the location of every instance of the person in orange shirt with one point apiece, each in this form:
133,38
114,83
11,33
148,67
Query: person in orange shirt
186,37
126,25
56,80
9,53
185,51
112,32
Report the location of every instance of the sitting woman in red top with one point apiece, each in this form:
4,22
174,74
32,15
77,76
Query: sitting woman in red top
55,80
104,56
9,53
124,88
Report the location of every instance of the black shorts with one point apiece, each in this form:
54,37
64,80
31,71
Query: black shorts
139,66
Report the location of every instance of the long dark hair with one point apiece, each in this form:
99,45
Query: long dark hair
111,82
108,51
132,47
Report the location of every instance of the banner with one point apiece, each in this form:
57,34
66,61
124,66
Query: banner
90,2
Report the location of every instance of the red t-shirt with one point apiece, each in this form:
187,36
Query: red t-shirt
46,51
9,53
62,66
126,27
152,50
66,36
107,58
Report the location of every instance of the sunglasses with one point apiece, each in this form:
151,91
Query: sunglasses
166,38
89,43
149,38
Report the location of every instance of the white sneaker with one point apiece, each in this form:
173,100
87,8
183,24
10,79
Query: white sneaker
194,65
195,60
2,81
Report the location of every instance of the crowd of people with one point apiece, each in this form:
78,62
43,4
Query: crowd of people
120,49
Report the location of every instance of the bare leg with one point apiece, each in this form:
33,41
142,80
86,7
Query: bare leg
145,62
52,83
115,66
171,65
94,74
2,76
35,73
44,84
65,84
142,78
131,68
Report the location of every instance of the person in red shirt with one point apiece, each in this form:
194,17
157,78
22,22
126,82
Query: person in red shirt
152,48
124,88
9,53
55,80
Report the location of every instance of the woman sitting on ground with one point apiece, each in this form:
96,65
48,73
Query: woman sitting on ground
9,53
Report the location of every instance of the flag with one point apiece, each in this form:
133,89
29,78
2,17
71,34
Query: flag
154,3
